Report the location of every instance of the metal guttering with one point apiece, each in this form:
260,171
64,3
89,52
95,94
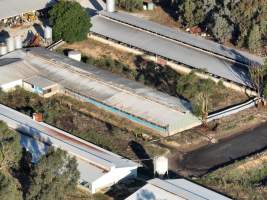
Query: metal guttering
186,38
172,51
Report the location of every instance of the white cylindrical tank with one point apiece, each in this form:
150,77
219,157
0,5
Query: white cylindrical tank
111,5
3,49
10,44
18,42
48,32
160,165
75,55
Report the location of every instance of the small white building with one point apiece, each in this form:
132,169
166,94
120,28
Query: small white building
175,189
98,167
148,5
41,86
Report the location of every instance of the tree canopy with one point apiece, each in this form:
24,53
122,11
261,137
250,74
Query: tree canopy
70,21
8,188
53,176
244,22
10,150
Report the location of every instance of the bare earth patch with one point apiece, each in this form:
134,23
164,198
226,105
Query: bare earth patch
160,16
98,50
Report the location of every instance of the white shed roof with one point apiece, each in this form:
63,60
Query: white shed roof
175,189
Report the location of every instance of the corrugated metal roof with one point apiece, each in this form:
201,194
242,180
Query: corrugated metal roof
11,8
175,189
125,95
186,38
171,50
39,81
90,153
13,69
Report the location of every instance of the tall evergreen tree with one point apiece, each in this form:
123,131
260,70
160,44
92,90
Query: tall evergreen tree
188,7
221,28
254,39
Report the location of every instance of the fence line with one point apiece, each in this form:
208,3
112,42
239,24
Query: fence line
232,110
55,45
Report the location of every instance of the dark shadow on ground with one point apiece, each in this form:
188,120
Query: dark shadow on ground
3,36
142,155
91,12
162,78
125,188
39,29
212,157
8,61
96,4
29,37
169,7
23,172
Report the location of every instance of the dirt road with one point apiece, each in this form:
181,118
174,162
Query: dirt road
208,158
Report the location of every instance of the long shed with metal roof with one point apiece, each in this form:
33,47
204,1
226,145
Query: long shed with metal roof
98,167
129,99
173,45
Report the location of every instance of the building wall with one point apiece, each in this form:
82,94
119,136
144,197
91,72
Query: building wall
161,130
113,177
40,91
11,86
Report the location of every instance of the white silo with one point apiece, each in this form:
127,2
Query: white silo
111,5
3,49
75,55
10,44
160,165
48,33
18,42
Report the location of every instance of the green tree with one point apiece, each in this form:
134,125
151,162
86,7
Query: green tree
54,176
70,21
201,102
8,188
257,73
130,5
254,39
220,29
10,150
188,7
